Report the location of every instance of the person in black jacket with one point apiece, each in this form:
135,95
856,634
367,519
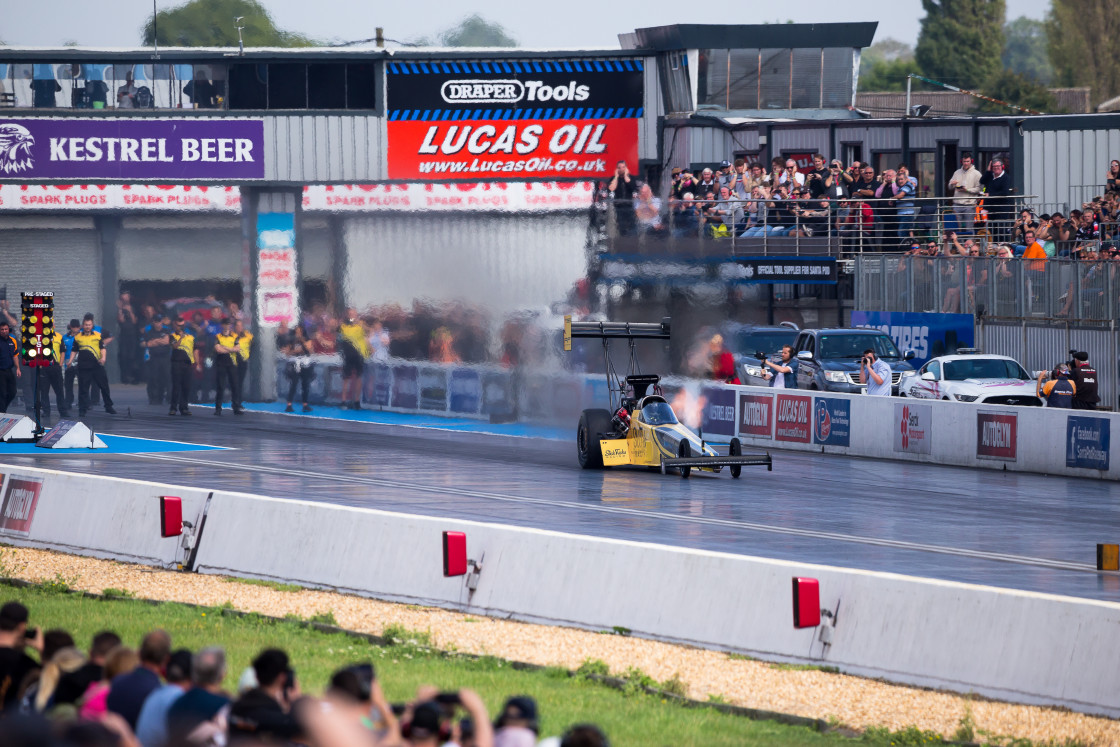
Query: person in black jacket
264,714
998,190
1085,379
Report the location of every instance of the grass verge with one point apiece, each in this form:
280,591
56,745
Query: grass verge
631,716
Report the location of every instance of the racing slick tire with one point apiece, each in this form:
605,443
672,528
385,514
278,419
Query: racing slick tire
736,449
685,450
592,424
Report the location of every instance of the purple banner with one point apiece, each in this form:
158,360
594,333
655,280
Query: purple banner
140,149
719,411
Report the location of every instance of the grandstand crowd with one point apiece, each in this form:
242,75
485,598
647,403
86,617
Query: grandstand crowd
55,695
870,210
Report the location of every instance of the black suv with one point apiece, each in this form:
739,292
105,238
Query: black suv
746,340
828,359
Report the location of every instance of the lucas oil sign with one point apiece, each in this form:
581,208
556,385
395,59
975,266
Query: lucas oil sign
512,119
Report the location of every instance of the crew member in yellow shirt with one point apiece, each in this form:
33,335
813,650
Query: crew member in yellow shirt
354,347
225,368
244,345
89,352
182,346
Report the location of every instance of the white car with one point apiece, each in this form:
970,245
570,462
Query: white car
981,379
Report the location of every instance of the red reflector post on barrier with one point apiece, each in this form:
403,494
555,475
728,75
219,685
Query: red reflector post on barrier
806,602
170,516
454,554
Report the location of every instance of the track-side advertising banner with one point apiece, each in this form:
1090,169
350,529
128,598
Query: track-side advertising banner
21,496
277,291
793,420
485,196
832,421
797,270
756,415
534,119
719,411
928,335
997,435
141,149
1087,442
912,428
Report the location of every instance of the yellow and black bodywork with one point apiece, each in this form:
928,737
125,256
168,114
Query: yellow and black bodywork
657,439
645,432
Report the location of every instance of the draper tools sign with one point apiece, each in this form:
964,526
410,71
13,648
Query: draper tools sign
533,119
131,149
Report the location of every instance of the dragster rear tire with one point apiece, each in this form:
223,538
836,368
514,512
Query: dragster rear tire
592,424
736,449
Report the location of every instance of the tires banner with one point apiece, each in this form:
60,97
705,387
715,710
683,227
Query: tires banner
514,119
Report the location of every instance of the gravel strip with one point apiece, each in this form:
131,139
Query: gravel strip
853,701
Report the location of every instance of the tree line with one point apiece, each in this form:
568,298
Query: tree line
971,44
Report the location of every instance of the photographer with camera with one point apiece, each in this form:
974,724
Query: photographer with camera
1059,390
15,664
1084,378
429,721
875,374
784,374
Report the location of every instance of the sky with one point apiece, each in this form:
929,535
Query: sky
583,23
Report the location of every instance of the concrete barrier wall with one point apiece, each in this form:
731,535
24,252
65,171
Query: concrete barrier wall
98,516
1008,644
1026,439
996,642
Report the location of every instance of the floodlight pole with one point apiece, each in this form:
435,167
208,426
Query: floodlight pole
155,31
909,80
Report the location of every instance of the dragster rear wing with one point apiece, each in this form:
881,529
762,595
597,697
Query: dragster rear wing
614,330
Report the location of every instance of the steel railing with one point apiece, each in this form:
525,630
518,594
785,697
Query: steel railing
1065,289
737,227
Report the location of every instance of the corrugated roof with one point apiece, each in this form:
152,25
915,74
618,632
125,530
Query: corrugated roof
942,103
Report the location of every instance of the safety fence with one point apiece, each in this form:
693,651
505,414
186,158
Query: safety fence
795,226
1040,346
1005,287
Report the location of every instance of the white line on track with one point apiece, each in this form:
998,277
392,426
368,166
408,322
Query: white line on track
747,525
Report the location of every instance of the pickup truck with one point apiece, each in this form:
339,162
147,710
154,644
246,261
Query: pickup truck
828,359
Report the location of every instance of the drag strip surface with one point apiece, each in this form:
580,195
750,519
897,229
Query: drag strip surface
1004,529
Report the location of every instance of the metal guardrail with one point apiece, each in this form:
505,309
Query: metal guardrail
737,227
1057,289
